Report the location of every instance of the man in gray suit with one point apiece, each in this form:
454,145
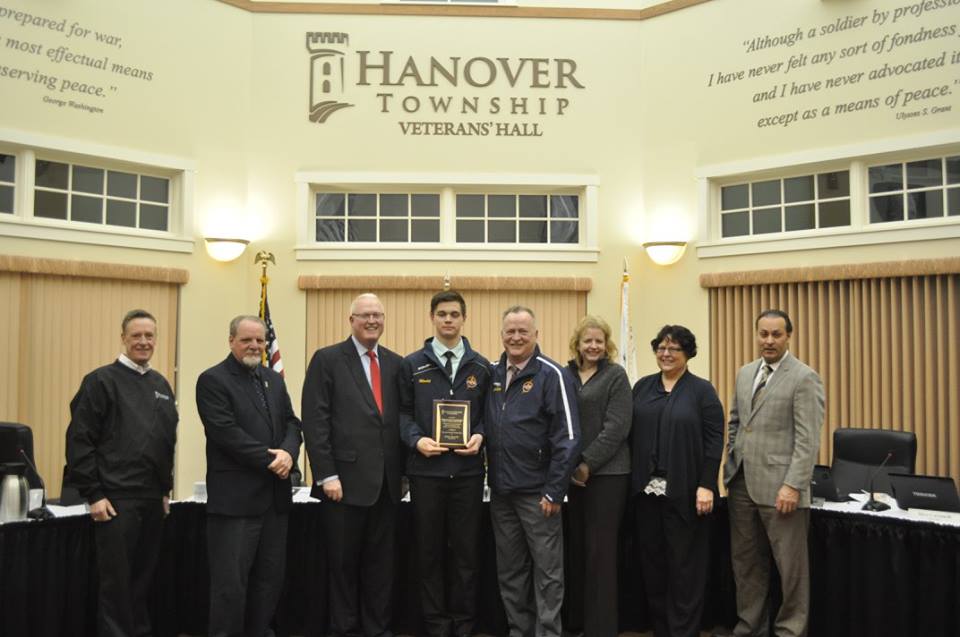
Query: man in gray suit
775,421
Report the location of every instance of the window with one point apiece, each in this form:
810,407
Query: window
88,194
8,165
378,217
804,202
410,216
878,192
68,190
923,189
496,218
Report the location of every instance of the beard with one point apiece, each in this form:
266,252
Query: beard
251,362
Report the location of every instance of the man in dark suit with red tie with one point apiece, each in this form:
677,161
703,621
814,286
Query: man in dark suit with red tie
253,438
350,422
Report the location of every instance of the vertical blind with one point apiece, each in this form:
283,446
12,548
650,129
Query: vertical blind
557,302
884,338
61,322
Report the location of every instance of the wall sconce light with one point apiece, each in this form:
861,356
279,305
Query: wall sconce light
665,252
225,249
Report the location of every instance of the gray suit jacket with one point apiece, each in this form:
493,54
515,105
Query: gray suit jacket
777,442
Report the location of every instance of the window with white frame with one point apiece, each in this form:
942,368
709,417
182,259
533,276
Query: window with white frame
8,171
69,190
873,193
420,216
378,217
90,194
511,218
924,189
801,202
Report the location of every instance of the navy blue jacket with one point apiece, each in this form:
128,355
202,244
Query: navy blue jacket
533,429
423,380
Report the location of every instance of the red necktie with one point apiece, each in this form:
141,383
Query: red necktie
375,380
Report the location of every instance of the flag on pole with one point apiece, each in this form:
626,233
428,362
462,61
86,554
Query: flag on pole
628,351
271,353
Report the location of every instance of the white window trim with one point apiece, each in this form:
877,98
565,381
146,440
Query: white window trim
860,232
308,250
22,223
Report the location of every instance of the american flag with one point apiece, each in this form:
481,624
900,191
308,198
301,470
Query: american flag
271,354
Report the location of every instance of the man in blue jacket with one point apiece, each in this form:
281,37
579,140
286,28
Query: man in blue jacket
446,483
533,444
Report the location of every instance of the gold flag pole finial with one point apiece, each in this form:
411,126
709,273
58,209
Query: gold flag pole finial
262,258
446,281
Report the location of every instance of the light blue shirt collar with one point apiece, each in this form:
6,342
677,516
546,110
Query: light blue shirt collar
440,349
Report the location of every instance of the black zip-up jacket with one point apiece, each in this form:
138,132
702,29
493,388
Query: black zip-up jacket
122,432
423,380
533,429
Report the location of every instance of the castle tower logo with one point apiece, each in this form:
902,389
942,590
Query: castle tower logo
326,74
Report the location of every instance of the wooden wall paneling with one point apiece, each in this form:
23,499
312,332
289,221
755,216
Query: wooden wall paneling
73,328
884,346
10,344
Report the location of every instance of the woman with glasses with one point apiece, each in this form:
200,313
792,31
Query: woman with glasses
677,444
601,480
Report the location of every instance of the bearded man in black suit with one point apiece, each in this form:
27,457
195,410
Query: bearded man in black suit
253,437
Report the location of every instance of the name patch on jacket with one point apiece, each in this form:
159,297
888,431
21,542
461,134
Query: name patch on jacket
424,381
159,395
497,386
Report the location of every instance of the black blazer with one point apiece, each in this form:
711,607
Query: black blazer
239,432
345,433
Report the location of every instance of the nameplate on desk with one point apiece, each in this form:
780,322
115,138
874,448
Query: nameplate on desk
929,515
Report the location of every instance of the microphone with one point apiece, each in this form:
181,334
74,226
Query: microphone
41,512
872,504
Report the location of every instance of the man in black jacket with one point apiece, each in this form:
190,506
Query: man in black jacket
350,411
446,488
533,444
253,437
120,441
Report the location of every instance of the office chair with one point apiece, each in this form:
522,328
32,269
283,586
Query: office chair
857,453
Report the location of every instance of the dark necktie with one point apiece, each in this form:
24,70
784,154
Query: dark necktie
375,380
764,377
448,366
258,391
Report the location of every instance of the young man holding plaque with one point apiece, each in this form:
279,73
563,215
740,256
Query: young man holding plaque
442,389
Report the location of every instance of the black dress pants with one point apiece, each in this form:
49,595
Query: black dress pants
127,550
360,557
674,558
248,556
447,514
593,530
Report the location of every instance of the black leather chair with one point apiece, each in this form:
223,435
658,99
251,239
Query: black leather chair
858,452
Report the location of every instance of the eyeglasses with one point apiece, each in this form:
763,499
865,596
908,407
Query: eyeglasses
672,350
369,316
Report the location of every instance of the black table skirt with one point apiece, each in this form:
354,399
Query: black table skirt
869,576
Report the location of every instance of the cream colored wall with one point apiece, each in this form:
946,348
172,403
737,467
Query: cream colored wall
230,93
689,125
196,108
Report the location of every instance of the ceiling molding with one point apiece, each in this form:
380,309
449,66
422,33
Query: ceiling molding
463,11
